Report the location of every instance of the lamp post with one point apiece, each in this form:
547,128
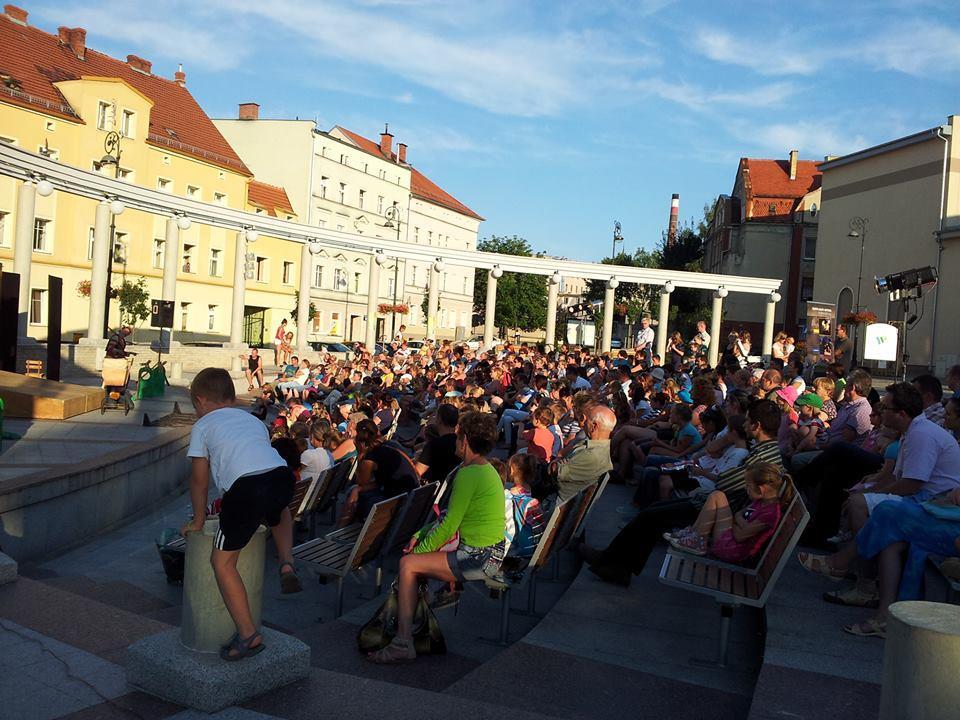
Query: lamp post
858,229
112,152
617,238
392,214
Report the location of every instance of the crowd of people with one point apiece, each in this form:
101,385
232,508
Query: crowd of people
714,456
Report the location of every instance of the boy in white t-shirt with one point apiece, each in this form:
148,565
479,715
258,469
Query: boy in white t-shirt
231,447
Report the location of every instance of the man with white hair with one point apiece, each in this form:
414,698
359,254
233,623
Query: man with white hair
591,459
645,338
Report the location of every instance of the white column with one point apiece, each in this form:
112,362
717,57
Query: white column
553,290
239,297
98,276
609,298
767,347
433,299
303,309
171,256
23,250
716,315
490,311
662,327
373,294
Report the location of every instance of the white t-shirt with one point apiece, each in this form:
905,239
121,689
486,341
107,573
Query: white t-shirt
235,443
930,454
645,338
732,457
315,461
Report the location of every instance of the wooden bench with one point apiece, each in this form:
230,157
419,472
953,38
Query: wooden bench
580,506
34,369
340,474
341,552
391,431
734,585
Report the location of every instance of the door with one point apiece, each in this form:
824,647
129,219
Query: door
254,320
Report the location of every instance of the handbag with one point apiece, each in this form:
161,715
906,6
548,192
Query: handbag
380,629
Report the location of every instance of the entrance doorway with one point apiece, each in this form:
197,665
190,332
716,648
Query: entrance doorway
381,323
254,320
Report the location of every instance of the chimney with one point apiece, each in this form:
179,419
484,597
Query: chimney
180,77
139,64
77,40
249,111
793,164
386,141
63,35
674,216
18,15
402,152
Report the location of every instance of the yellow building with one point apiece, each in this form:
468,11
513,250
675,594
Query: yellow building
62,99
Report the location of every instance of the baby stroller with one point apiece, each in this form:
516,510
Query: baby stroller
116,377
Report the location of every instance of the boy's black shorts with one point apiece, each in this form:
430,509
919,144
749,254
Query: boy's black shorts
251,501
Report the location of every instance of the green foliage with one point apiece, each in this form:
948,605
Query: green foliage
638,299
687,305
311,312
521,298
134,301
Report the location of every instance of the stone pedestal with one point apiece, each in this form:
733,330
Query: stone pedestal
8,569
162,666
920,662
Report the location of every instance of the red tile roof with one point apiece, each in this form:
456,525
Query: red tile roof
769,193
269,197
34,60
420,185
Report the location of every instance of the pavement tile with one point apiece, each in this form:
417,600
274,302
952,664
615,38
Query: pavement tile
136,704
786,692
118,594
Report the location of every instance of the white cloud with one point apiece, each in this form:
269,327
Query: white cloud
813,139
770,57
702,99
915,48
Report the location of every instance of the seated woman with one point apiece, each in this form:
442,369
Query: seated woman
476,511
384,472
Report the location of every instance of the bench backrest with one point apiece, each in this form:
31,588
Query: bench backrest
300,490
412,516
588,508
307,501
374,531
393,426
339,474
780,547
548,540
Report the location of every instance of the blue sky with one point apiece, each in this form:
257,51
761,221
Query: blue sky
553,119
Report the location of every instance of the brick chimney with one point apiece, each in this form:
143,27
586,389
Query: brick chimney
249,111
386,141
139,64
77,41
180,77
18,15
63,35
402,152
793,164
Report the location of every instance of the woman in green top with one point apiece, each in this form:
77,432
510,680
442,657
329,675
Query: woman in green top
476,510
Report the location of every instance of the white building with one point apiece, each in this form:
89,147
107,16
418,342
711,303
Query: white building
340,180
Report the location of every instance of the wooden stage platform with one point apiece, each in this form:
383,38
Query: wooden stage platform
27,397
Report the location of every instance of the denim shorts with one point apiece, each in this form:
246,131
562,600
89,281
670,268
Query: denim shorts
472,563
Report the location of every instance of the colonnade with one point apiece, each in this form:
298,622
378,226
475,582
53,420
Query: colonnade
105,209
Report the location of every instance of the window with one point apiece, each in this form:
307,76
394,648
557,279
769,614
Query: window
38,306
193,192
318,276
220,198
806,289
339,279
391,286
215,270
443,317
287,273
334,323
187,259
41,235
3,228
356,282
343,193
158,252
416,235
120,247
343,159
127,123
105,115
90,244
464,285
50,126
323,186
443,281
263,271
360,201
413,276
125,174
211,317
429,237
164,185
810,247
184,315
315,323
380,204
321,223
48,152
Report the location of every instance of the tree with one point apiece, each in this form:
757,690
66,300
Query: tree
134,301
637,299
687,305
521,297
311,312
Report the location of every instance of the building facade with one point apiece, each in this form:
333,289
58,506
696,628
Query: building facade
767,227
908,193
340,180
61,99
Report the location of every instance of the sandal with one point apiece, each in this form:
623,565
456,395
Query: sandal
250,388
240,649
819,565
289,580
867,628
393,654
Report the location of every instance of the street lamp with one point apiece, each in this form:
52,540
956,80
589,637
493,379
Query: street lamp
617,238
858,229
111,156
392,214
